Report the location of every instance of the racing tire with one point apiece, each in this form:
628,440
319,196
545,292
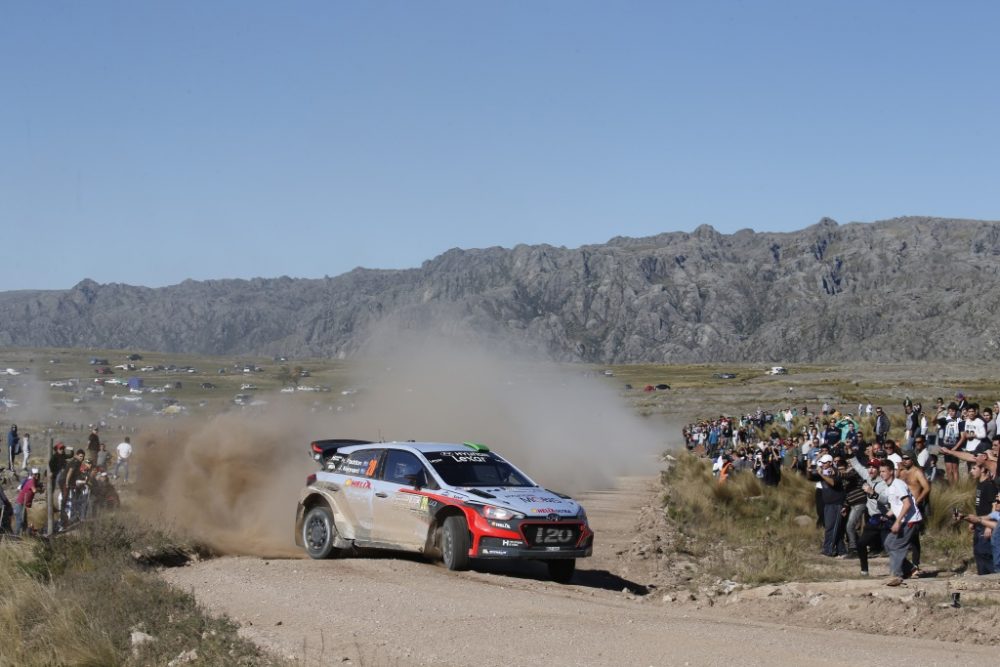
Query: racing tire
455,543
561,571
319,532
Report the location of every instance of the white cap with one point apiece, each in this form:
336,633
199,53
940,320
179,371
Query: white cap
34,471
826,458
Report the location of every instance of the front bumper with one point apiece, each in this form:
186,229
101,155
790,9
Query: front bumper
503,548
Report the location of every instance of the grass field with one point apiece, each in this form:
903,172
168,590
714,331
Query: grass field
78,599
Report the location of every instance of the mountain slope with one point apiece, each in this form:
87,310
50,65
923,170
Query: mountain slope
902,289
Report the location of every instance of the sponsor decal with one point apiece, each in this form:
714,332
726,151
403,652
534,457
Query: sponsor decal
358,484
495,552
500,524
543,510
537,499
463,457
424,503
512,543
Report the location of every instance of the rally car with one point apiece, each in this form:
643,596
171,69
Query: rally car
459,502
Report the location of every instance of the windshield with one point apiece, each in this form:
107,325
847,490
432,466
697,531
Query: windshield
476,469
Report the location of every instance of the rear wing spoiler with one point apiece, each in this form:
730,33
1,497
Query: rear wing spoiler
325,452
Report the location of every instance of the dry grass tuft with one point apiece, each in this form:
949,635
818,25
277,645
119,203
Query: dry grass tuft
76,599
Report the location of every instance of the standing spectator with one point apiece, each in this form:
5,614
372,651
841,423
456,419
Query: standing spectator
57,466
875,529
989,522
991,423
25,450
920,489
124,452
905,522
986,493
24,498
922,455
892,453
13,442
950,435
855,499
93,444
6,513
881,425
910,425
102,457
832,493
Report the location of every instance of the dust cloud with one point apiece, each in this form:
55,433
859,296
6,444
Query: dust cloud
233,481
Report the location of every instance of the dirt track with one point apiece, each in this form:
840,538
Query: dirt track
404,611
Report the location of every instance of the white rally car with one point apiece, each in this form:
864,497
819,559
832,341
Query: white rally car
461,502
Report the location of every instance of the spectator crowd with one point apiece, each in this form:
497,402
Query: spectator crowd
874,480
81,480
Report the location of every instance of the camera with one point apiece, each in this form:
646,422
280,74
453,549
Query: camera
956,514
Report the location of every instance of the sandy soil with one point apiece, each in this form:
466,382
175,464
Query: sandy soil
627,606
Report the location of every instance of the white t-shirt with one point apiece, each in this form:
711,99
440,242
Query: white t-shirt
124,450
896,492
976,430
923,457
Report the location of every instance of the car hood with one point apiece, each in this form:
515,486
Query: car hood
530,501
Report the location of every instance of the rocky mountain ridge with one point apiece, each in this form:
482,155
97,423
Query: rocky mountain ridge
901,289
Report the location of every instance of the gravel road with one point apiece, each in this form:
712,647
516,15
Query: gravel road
404,611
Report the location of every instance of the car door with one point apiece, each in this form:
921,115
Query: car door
356,476
401,515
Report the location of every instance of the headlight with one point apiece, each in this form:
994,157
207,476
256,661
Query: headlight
500,513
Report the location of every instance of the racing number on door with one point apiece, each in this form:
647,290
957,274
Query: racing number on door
546,535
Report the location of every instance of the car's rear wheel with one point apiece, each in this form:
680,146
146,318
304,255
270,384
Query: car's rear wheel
319,532
561,571
455,543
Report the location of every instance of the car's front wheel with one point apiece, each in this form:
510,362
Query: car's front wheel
319,532
561,571
455,543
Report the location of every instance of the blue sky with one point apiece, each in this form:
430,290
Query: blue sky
148,143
